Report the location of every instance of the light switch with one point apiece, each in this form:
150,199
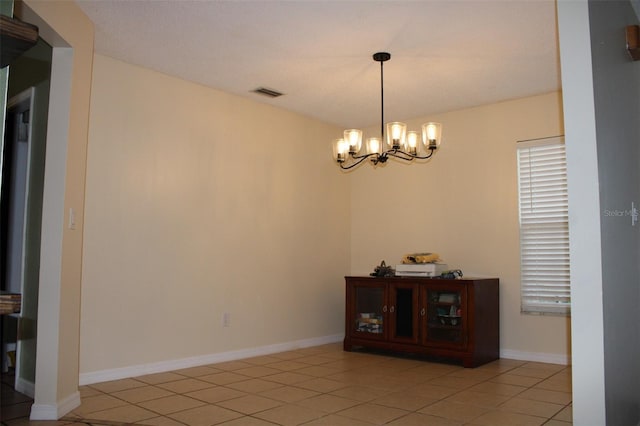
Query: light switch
72,218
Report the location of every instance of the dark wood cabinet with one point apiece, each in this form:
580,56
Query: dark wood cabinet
442,318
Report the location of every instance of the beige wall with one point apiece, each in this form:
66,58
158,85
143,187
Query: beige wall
177,231
199,203
463,205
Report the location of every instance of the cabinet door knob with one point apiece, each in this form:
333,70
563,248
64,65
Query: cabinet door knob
384,308
423,311
392,309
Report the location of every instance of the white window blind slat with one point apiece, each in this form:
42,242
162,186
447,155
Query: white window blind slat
544,227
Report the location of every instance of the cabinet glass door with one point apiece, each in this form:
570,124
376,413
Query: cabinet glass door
445,317
370,311
403,312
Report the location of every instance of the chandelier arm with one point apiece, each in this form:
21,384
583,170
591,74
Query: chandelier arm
401,155
359,160
358,157
408,157
425,157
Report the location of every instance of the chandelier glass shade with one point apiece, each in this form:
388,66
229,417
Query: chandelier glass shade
395,142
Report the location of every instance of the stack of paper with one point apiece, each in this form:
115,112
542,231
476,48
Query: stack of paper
420,269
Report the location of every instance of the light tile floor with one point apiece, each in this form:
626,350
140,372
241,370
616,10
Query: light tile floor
325,386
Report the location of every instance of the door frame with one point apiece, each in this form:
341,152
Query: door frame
22,102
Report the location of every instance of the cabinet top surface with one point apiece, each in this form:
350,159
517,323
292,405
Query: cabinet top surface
425,280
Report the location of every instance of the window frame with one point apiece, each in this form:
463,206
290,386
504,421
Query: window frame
543,227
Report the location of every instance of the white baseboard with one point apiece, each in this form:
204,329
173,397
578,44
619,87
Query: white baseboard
177,364
57,411
164,366
536,357
26,387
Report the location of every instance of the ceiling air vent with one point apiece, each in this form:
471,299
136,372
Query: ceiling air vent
267,92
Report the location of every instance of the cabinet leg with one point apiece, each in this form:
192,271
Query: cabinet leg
346,346
469,363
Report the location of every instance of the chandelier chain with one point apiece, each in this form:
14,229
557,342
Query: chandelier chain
381,100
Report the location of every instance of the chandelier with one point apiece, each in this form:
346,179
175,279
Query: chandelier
399,143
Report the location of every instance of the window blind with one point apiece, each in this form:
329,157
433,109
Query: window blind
544,226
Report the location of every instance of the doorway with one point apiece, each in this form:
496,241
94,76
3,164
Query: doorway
23,159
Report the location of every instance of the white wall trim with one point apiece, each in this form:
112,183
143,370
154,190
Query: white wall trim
44,412
49,291
585,214
561,359
55,412
48,374
177,364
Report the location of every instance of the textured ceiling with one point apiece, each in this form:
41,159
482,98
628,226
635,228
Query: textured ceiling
445,55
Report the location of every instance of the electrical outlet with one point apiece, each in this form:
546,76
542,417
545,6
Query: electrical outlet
226,319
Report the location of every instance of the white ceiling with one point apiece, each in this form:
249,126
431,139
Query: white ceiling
445,55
